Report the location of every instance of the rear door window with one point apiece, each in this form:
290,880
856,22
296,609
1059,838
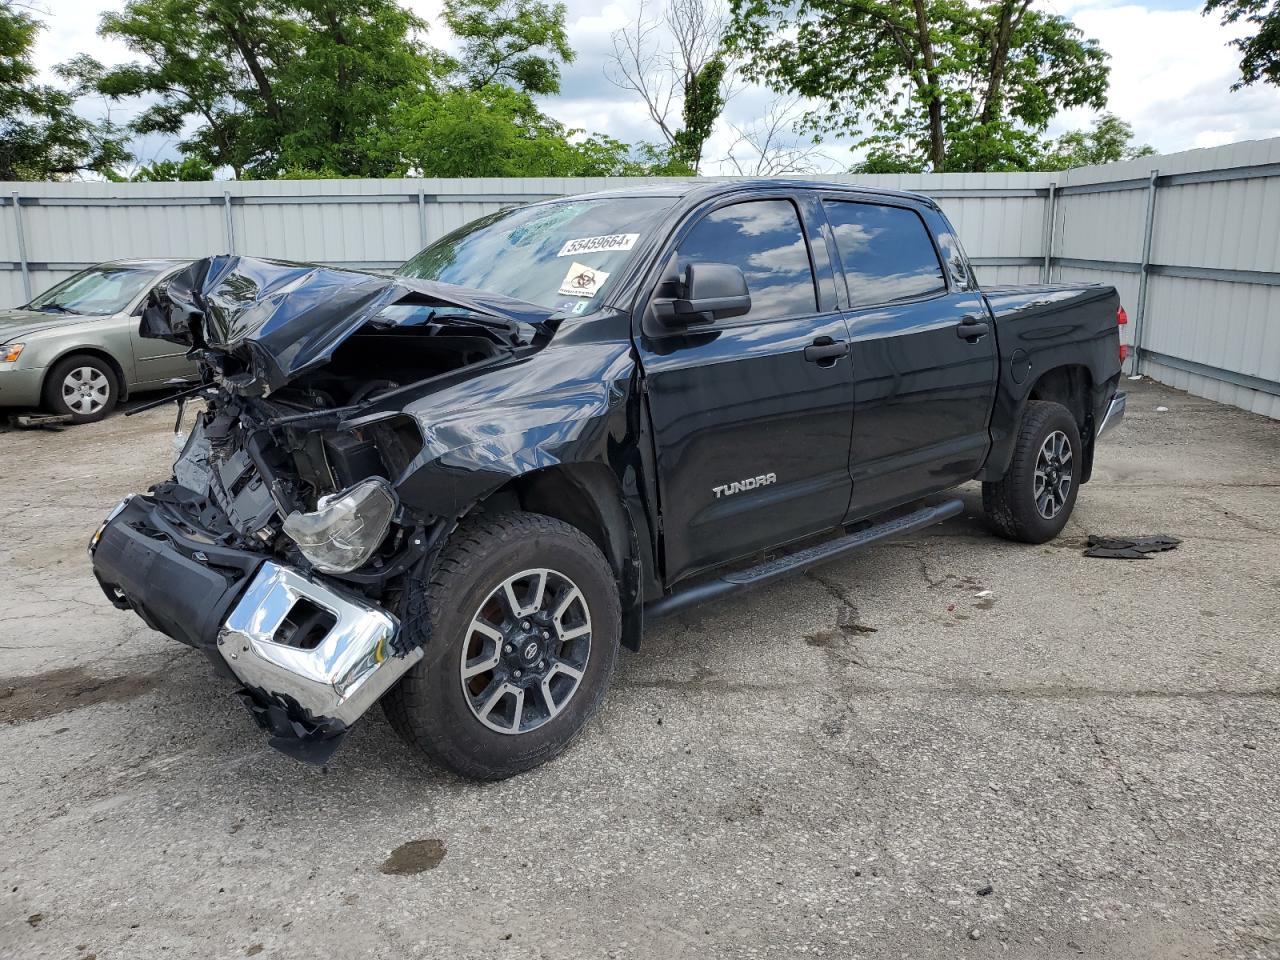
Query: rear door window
764,240
886,252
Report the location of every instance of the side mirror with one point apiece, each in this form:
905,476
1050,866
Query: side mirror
702,293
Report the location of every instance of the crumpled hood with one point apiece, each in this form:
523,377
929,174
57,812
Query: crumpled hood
15,324
284,319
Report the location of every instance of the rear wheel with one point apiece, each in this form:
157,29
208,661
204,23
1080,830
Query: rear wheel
1034,499
85,387
524,634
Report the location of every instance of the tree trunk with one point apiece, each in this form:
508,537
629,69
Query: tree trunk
992,103
250,55
937,148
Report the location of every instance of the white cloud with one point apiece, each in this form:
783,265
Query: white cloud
1171,71
1171,76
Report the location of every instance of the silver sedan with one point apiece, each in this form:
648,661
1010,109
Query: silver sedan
75,349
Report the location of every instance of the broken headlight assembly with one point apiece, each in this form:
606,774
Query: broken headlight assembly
346,527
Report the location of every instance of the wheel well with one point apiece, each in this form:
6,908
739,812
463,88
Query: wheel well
1072,387
1069,386
98,354
585,496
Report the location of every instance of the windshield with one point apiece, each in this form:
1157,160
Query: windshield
96,291
556,255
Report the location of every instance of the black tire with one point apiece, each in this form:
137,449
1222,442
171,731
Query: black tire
429,708
1011,502
87,408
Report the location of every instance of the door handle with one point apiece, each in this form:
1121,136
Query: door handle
972,330
825,349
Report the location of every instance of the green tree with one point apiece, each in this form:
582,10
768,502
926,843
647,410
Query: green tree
41,135
1109,140
498,131
353,61
207,64
516,42
674,60
167,171
297,87
924,84
1260,52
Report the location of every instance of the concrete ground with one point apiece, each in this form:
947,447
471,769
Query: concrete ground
872,761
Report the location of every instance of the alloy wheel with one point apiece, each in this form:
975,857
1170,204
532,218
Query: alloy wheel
526,651
1053,475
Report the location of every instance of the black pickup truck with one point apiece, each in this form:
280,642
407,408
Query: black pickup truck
460,489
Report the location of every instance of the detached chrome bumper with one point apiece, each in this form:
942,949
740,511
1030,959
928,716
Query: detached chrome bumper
1115,413
321,654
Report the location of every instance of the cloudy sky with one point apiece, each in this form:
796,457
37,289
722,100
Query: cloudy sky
1171,73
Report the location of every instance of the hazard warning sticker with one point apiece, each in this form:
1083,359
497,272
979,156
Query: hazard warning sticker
582,281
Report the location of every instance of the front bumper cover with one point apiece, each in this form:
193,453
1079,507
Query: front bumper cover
310,658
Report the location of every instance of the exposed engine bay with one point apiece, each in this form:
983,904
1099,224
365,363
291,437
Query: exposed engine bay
288,480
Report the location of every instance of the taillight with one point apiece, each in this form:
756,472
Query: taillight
1121,319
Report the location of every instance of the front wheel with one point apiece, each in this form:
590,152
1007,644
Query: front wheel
525,625
85,387
1033,500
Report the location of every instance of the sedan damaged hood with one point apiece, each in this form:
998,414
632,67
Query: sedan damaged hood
282,319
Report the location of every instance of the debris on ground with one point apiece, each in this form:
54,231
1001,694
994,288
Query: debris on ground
1129,548
40,421
1162,409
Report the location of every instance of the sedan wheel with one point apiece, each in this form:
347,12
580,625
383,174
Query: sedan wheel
86,390
83,386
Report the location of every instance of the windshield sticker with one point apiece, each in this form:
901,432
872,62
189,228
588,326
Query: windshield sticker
615,241
582,281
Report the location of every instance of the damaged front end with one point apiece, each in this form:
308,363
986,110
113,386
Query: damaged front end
281,546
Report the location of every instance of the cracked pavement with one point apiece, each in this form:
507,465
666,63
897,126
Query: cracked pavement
837,765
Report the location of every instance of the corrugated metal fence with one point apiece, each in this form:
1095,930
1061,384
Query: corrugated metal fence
1192,240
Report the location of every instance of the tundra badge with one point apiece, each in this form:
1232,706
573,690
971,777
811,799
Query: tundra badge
729,489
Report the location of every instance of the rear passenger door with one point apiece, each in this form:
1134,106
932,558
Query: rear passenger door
751,435
924,357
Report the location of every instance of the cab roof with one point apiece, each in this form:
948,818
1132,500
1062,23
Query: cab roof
700,189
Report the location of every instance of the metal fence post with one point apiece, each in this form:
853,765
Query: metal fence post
422,217
230,226
1141,311
22,246
1051,212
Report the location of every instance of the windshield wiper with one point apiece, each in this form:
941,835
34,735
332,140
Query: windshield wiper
53,308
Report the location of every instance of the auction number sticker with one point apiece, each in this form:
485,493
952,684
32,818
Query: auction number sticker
582,281
615,241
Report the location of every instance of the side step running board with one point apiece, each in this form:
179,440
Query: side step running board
800,561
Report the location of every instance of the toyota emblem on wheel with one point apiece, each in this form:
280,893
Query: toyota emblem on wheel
531,651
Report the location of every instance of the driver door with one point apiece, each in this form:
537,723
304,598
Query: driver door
751,416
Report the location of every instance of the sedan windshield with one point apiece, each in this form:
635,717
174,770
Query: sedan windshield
97,291
556,255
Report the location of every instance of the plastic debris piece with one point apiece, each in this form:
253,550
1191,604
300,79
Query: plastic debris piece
982,593
1136,376
1129,548
1162,409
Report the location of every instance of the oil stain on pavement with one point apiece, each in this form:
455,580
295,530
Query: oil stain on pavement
416,856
